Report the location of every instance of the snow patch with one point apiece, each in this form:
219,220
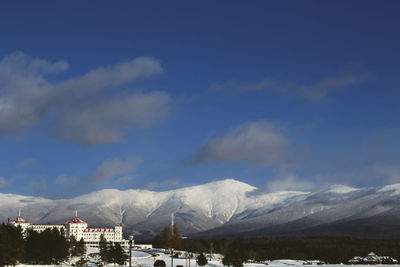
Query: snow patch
394,189
340,189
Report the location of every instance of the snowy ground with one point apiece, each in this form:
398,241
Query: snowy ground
147,258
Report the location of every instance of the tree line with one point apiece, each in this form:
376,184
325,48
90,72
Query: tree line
49,247
330,249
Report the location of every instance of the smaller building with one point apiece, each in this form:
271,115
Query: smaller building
25,225
372,258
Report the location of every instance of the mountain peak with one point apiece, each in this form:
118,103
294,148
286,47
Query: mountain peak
221,185
232,182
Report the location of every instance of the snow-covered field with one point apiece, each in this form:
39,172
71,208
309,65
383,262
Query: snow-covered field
146,259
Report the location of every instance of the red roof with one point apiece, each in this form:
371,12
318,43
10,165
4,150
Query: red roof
119,224
19,219
75,220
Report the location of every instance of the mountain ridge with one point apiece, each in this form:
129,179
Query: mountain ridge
221,208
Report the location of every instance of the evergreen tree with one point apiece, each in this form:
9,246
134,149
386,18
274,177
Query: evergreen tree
157,242
166,236
72,246
232,258
104,253
159,263
117,254
47,247
176,240
11,245
81,247
60,246
77,248
33,247
201,260
169,238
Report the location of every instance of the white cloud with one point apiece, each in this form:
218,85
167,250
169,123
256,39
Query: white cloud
289,182
378,173
25,94
321,89
3,181
255,143
113,167
106,120
89,109
315,91
104,78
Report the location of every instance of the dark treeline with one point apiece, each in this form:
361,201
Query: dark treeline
327,249
47,247
12,248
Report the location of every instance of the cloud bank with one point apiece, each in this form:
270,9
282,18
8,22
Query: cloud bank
257,143
111,168
90,109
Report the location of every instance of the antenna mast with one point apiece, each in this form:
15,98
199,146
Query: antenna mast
172,223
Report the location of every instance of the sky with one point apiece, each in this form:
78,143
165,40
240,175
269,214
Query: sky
157,95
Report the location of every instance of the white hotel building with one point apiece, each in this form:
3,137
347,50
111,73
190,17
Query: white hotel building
77,228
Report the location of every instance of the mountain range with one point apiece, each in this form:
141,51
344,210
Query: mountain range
225,208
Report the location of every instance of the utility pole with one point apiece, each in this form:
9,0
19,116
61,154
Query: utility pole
130,250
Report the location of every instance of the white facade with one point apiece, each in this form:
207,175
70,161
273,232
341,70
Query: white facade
79,229
41,227
75,227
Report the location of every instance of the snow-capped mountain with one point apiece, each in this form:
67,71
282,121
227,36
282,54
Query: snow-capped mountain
223,208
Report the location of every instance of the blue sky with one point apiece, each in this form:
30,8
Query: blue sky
158,95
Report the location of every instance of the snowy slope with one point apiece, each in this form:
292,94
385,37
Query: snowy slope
223,207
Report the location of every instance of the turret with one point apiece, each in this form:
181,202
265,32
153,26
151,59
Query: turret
76,226
19,221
